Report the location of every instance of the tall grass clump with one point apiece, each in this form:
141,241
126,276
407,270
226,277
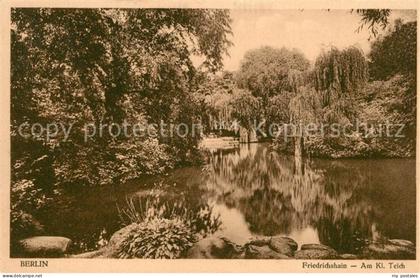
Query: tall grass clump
163,228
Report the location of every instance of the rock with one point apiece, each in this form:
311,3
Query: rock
223,248
215,247
390,250
117,238
44,246
348,257
316,251
101,253
319,254
262,252
402,242
283,245
261,241
314,246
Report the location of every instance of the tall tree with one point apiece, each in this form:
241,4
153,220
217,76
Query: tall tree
266,71
79,66
394,52
337,77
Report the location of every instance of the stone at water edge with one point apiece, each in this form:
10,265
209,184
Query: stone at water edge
259,241
402,242
316,246
316,251
111,250
118,237
226,249
215,247
389,250
101,253
283,245
348,257
45,246
316,254
263,252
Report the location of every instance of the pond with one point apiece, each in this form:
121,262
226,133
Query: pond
340,203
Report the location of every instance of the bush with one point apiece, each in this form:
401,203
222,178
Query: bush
158,238
164,228
201,219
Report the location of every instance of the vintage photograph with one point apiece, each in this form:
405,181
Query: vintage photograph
151,133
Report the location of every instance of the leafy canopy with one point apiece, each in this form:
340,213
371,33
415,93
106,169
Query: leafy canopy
266,71
395,52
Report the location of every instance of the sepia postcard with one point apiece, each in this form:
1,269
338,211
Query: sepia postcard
209,136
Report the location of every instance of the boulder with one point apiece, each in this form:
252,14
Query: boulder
283,245
402,242
348,257
44,246
315,246
260,241
316,251
390,250
111,250
118,237
101,253
215,247
316,254
262,252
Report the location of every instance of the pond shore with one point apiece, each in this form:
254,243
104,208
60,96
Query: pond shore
217,246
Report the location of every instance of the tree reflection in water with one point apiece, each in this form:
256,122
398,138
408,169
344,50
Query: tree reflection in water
338,199
340,203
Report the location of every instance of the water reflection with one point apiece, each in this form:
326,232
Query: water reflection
337,203
340,203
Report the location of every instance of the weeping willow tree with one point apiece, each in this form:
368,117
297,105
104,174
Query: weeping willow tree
329,96
338,76
304,110
214,94
246,109
270,75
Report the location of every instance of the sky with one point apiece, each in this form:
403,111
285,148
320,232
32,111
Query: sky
310,31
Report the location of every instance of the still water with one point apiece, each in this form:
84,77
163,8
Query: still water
257,192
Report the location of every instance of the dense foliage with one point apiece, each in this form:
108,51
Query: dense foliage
157,238
347,89
395,52
163,230
267,71
271,76
213,94
103,66
389,99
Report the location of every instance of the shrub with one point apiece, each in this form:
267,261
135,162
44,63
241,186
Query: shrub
158,238
201,219
164,228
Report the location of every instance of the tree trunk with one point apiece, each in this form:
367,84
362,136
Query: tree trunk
243,135
299,146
